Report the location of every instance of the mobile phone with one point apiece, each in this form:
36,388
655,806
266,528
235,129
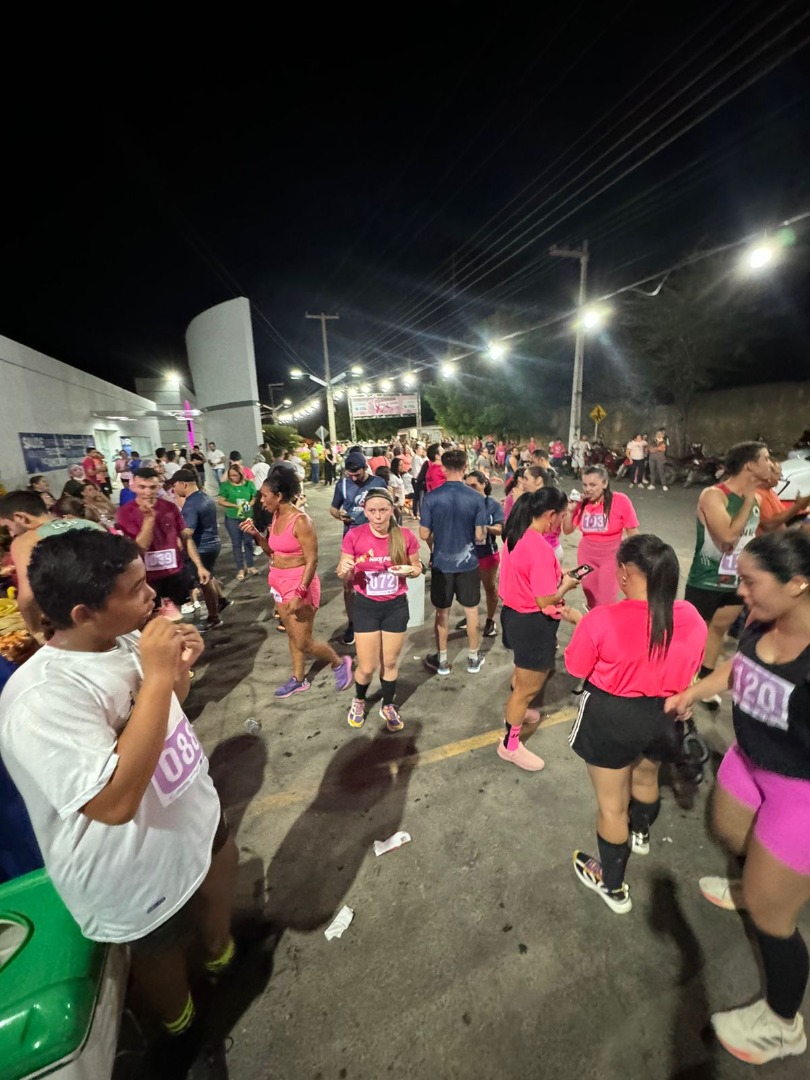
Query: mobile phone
581,571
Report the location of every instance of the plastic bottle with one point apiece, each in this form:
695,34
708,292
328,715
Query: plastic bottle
253,726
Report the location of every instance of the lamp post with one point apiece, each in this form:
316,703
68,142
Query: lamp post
579,347
327,382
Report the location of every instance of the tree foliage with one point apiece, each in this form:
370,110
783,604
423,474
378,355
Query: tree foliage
281,437
476,405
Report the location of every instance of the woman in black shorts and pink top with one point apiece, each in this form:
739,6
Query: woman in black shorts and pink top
761,806
532,587
632,655
379,557
292,545
603,517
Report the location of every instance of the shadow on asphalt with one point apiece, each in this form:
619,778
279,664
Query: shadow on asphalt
692,1008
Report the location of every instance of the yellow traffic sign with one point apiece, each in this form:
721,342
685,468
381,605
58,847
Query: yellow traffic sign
597,414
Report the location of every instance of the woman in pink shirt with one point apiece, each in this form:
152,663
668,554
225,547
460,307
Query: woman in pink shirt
532,587
604,517
632,655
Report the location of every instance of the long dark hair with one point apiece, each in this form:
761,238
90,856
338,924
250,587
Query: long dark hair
528,507
658,562
482,480
784,554
607,494
537,471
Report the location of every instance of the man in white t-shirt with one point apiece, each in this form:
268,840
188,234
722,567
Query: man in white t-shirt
116,784
216,459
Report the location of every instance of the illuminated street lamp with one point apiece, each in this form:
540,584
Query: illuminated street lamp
366,388
287,402
593,319
448,370
497,350
172,377
296,373
761,255
409,378
356,369
385,385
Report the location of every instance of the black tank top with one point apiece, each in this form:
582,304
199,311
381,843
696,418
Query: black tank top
771,707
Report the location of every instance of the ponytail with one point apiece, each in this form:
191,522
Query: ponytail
397,550
528,507
658,562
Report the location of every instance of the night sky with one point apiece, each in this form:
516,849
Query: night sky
372,161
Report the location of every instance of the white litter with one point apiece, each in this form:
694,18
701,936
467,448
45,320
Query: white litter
340,923
395,841
417,658
666,839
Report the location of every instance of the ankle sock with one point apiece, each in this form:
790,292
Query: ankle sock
389,688
472,654
643,815
360,690
442,656
183,1021
613,858
787,968
511,739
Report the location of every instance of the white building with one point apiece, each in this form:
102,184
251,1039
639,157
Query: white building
50,412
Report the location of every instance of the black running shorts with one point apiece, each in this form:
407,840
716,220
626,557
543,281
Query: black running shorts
709,601
613,732
465,587
532,637
373,616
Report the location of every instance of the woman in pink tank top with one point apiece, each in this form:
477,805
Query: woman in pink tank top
292,544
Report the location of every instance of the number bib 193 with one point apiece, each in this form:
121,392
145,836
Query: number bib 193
594,522
178,764
381,584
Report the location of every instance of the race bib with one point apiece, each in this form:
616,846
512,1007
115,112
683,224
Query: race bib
381,584
161,560
760,693
279,599
728,564
594,522
178,764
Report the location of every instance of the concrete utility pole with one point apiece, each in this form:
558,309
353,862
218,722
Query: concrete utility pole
574,428
327,379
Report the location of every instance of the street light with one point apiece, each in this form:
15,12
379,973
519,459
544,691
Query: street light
287,402
356,369
761,255
409,378
496,350
172,377
296,373
385,385
366,388
448,369
593,318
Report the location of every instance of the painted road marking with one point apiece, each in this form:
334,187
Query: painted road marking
281,799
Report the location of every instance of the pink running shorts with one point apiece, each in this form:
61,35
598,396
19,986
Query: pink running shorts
781,803
283,584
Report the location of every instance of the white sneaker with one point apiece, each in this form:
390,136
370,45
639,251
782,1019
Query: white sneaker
723,893
640,843
756,1034
651,487
665,488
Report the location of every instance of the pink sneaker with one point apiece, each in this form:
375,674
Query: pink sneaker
522,757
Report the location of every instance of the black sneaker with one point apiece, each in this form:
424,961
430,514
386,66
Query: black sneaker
462,625
224,602
490,629
441,667
348,636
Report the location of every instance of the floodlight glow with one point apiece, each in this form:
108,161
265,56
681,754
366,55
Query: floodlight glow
356,369
409,378
172,377
497,350
592,319
761,255
448,370
296,373
366,388
385,384
287,401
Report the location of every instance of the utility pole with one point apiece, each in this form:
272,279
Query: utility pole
579,348
271,386
327,379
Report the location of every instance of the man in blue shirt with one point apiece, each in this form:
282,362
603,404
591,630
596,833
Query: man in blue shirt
200,515
454,519
347,506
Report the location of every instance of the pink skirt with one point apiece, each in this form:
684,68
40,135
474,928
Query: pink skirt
602,586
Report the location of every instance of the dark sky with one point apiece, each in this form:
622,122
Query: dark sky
367,161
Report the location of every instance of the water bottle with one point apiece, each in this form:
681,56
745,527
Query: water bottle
253,726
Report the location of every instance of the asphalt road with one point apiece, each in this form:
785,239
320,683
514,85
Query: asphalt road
474,953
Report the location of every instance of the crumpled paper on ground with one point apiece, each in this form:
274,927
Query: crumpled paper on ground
395,841
340,923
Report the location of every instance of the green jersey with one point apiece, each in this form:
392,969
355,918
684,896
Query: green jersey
712,568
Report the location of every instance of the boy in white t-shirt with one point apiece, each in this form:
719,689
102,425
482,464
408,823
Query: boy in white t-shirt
112,774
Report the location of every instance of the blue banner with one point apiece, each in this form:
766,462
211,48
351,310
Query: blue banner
45,453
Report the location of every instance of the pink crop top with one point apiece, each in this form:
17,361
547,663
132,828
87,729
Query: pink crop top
284,543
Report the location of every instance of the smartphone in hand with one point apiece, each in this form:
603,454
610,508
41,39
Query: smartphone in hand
581,571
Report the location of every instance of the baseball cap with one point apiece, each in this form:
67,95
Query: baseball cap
355,461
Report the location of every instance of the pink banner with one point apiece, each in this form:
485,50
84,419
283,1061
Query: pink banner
367,408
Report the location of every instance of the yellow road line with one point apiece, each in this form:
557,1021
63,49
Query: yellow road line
280,799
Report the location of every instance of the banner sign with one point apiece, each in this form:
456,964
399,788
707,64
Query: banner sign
374,405
45,453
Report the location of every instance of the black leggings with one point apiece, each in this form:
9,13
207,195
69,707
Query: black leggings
637,471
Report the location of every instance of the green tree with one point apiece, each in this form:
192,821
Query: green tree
281,437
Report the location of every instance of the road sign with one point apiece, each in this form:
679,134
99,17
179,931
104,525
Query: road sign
321,432
597,414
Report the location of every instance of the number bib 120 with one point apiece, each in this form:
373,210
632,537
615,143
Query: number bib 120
178,764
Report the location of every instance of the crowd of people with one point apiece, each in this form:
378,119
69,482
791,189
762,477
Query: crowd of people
116,782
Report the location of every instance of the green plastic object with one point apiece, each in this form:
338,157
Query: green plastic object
50,977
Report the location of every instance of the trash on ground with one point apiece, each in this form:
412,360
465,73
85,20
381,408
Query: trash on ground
339,923
253,726
666,839
395,841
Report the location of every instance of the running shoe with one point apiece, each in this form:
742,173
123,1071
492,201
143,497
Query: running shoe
461,625
640,843
490,629
357,713
589,872
665,488
343,674
723,893
651,487
252,570
756,1034
224,602
474,664
348,635
390,714
712,703
441,667
292,686
522,757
